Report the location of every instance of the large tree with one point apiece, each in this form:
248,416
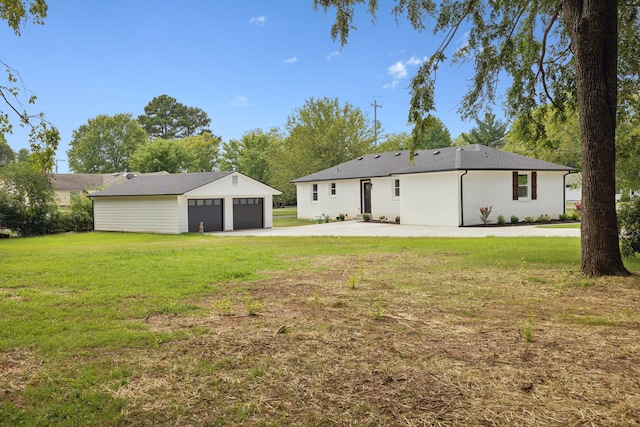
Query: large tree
562,51
163,155
205,150
7,155
252,154
322,133
166,118
104,144
43,136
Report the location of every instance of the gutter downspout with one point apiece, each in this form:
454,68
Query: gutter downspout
462,199
564,192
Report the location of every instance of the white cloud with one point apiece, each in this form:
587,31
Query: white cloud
414,61
333,55
291,60
398,70
391,85
240,101
258,20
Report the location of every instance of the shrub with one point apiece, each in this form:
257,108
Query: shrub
529,220
563,217
485,211
366,217
625,197
543,218
514,219
629,224
341,217
500,220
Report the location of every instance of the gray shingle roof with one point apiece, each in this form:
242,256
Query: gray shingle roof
467,157
161,185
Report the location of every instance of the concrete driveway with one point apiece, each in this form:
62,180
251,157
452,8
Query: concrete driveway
359,228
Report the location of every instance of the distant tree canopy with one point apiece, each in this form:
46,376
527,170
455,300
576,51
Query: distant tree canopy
322,133
6,153
105,144
253,154
489,132
164,117
547,137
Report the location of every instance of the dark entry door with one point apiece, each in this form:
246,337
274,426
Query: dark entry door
366,197
248,213
208,211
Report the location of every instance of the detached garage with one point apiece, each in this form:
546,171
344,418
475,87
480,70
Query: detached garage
178,203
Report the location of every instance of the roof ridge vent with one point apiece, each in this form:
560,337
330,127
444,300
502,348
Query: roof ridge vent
377,156
360,158
398,153
460,149
436,152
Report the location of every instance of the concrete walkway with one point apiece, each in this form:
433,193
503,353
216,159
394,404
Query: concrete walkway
359,228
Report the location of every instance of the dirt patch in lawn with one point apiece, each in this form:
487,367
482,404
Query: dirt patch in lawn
394,340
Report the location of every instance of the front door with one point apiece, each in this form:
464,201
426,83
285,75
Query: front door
366,197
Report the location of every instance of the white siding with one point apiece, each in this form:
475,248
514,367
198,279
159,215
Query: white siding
158,214
494,188
233,186
346,200
383,201
430,199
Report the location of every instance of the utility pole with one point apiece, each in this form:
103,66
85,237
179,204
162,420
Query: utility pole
375,106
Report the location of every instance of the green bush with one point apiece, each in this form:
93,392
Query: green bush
629,225
529,220
514,219
563,217
543,218
625,197
366,217
500,220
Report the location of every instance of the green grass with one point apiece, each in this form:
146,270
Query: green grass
87,321
570,225
288,211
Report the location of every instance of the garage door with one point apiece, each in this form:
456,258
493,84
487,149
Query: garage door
208,211
248,213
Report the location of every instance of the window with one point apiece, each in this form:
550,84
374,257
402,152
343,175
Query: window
525,185
314,192
332,190
396,188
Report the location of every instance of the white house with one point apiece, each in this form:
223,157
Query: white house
178,203
441,187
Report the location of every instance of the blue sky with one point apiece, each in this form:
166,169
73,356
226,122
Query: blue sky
247,63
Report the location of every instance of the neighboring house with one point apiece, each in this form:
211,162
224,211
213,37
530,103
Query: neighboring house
67,185
178,203
441,187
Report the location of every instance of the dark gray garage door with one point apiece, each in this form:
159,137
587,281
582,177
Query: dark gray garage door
248,213
208,211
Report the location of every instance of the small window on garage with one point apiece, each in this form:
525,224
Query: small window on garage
200,202
208,202
314,192
192,202
332,189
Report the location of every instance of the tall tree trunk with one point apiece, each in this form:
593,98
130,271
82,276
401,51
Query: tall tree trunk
592,25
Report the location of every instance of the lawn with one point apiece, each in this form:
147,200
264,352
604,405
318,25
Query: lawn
137,329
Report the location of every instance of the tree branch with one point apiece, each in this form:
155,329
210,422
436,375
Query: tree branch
541,72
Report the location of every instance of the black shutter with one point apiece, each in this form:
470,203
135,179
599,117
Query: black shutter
514,185
534,185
